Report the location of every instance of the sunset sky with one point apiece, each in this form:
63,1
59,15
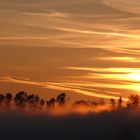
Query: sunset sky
87,48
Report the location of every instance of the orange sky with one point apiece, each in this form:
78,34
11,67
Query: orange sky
81,47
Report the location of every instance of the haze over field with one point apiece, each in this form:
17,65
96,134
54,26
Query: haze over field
80,47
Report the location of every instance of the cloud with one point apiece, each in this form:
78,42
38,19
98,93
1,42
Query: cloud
125,78
82,40
131,6
98,33
58,86
120,59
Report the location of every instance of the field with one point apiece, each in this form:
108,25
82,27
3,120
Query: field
113,125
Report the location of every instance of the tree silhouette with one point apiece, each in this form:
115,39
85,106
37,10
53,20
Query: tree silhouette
112,101
1,99
34,102
31,99
42,102
120,103
8,98
20,98
51,103
7,101
133,101
37,98
61,99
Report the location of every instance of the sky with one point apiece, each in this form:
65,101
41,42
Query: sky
88,49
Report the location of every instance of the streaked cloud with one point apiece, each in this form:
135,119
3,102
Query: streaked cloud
98,33
126,59
56,86
125,5
88,47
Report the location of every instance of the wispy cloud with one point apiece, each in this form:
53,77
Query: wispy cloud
48,13
58,86
98,33
121,59
98,43
125,5
125,78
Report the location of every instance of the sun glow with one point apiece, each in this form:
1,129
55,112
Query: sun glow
134,76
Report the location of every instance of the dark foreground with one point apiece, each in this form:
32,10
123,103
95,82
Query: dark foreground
117,125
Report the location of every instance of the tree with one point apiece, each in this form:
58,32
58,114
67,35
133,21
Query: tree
1,98
42,102
21,98
31,99
133,101
61,99
51,103
8,98
112,102
120,103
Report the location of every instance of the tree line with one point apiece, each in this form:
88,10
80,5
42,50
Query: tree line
23,99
